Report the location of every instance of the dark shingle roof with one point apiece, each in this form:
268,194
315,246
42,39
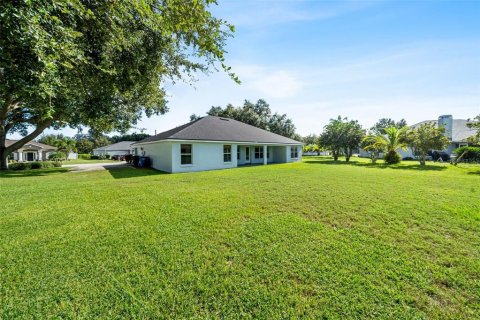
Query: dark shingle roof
9,142
212,128
119,146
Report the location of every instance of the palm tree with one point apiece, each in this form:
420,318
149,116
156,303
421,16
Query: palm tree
390,142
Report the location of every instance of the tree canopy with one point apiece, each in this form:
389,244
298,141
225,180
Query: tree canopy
256,114
425,138
342,136
100,64
384,123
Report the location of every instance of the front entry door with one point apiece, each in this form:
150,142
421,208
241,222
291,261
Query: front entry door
247,154
30,156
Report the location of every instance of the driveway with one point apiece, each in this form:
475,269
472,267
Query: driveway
95,166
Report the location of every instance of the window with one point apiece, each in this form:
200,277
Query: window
293,152
238,153
247,154
186,154
258,152
227,153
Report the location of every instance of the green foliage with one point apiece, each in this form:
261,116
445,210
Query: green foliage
311,240
341,136
258,115
106,156
99,64
63,143
57,156
426,138
129,137
84,156
392,157
20,166
382,124
85,146
471,153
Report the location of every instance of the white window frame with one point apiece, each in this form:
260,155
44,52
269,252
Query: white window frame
260,153
294,152
186,154
229,153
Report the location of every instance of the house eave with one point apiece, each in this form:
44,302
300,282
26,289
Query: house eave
221,141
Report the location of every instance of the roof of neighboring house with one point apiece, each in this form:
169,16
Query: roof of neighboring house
9,142
211,128
460,130
119,146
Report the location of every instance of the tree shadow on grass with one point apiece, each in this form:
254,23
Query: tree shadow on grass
32,173
403,166
130,172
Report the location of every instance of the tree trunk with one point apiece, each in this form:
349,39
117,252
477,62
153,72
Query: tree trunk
3,159
422,161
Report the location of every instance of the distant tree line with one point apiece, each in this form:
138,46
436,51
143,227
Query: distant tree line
256,114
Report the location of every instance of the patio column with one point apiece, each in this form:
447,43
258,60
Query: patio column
265,159
20,155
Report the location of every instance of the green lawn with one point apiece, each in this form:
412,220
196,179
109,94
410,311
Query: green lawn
83,161
313,239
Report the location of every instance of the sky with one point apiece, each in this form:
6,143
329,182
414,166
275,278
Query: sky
365,60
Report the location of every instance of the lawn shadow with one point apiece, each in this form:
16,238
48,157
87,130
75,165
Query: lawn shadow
403,166
32,173
474,173
125,172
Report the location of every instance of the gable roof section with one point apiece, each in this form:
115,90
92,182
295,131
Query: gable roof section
119,146
211,128
9,142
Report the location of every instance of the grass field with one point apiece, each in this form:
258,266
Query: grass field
313,239
83,161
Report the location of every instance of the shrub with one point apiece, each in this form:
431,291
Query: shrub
107,156
472,153
392,157
36,165
94,157
56,164
408,159
20,166
57,156
128,158
84,156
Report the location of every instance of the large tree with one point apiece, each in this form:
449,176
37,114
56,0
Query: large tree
384,123
100,64
342,136
425,138
256,114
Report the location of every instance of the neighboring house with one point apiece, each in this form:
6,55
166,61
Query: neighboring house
117,149
31,151
456,130
211,143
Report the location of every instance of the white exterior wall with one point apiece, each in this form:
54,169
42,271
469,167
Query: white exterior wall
165,155
160,154
111,153
205,156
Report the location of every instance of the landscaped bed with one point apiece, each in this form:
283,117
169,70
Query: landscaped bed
313,239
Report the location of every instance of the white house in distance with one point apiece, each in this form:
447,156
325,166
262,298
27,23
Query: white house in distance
31,151
211,143
456,130
117,149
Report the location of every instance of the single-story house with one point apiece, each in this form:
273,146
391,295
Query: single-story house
211,143
456,130
31,151
117,149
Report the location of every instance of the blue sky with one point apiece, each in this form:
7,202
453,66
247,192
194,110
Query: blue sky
315,60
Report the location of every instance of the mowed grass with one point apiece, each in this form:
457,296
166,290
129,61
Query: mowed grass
306,240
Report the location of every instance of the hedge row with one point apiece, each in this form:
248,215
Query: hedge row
34,165
472,153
